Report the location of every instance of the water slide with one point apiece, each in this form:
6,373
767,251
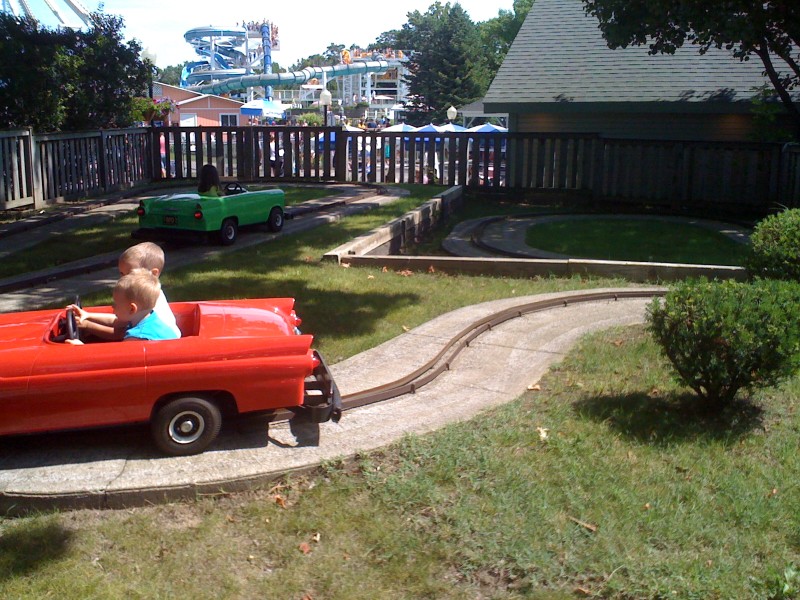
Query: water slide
229,59
291,78
220,47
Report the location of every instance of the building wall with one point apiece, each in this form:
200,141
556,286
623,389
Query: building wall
208,111
690,127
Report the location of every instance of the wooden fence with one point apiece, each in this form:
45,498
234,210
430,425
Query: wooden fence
41,169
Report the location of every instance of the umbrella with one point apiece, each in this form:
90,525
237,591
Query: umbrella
401,127
488,128
452,127
429,128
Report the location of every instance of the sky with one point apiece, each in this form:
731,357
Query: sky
160,25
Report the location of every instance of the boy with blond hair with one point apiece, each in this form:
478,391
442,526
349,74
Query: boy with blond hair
148,256
135,296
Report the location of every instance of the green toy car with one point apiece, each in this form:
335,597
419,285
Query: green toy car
198,216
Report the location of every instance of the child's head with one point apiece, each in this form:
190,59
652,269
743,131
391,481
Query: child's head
209,177
146,255
135,294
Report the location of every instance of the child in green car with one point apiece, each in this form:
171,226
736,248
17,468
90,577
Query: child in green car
209,181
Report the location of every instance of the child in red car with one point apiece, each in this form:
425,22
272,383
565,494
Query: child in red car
135,296
148,256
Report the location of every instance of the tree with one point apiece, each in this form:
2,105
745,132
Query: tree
497,34
171,75
334,52
35,77
446,66
110,73
768,30
68,79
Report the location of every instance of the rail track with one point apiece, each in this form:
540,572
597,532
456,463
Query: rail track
428,372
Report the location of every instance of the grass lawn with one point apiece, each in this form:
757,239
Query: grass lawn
603,483
109,236
649,240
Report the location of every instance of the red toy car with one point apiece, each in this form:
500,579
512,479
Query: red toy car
235,357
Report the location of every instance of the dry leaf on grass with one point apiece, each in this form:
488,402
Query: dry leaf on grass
279,500
304,548
431,269
542,431
591,527
345,265
534,387
406,272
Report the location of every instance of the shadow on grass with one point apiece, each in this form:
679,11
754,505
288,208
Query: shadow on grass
335,313
24,549
669,420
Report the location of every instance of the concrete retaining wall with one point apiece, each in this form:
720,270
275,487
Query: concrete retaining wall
381,247
391,239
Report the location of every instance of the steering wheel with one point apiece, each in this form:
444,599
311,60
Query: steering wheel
234,187
73,333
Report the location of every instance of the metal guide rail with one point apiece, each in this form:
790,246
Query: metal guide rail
428,372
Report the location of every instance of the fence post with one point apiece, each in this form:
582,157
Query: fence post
340,155
34,159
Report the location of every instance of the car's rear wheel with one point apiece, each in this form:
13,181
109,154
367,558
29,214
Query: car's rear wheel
228,232
275,222
185,425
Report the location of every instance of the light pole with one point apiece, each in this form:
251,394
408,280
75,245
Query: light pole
325,100
452,113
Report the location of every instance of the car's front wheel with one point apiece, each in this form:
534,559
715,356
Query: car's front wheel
228,232
185,425
275,222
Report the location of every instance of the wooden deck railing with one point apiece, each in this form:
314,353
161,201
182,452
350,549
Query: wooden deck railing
41,169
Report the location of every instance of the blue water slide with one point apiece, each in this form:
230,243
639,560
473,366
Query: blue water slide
291,78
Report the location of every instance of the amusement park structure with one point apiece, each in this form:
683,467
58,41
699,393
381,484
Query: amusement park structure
67,13
240,58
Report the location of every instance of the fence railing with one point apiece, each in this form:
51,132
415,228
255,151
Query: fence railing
41,169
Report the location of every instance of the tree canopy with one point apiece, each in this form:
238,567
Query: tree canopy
69,79
497,34
446,66
768,30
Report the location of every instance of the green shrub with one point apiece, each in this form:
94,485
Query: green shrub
723,337
776,246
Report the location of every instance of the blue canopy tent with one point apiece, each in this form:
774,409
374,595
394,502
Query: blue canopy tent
488,128
452,127
263,107
399,128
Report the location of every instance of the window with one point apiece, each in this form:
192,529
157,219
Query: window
229,120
